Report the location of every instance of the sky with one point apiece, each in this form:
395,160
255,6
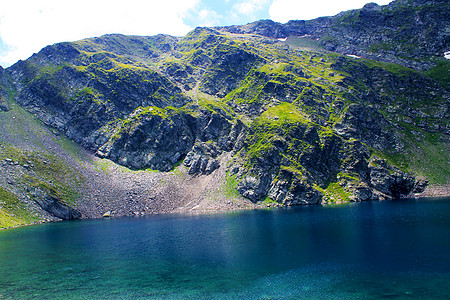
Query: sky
26,26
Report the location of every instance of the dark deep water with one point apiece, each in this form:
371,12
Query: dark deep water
391,249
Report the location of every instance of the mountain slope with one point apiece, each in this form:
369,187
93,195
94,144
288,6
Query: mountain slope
236,110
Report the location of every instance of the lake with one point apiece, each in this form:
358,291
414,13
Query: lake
389,249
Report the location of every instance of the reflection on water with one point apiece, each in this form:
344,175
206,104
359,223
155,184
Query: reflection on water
368,250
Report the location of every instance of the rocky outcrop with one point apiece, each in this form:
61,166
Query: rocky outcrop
322,160
390,181
215,134
54,207
149,140
158,139
227,69
254,187
3,94
420,186
201,160
3,105
293,189
369,126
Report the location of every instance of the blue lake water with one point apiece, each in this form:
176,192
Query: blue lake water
373,250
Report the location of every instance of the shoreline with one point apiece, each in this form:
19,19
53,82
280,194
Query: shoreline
436,191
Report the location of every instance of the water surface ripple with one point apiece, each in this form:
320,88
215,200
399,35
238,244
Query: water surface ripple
391,249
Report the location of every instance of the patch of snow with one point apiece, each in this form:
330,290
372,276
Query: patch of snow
282,40
353,56
303,36
447,55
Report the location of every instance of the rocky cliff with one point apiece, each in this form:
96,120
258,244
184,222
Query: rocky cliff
300,121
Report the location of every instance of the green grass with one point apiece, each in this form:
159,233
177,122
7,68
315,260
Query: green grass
12,211
347,176
273,125
380,46
283,113
64,193
229,188
309,75
423,160
305,44
47,172
441,73
349,18
293,169
268,202
395,69
214,105
335,193
105,165
130,123
179,170
426,158
249,90
88,94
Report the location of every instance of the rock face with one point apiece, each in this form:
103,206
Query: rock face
3,105
202,159
43,184
3,94
367,125
54,207
290,189
390,180
303,126
149,141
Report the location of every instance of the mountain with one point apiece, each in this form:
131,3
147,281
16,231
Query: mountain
353,107
412,33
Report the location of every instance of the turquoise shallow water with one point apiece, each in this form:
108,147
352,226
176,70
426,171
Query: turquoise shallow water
393,249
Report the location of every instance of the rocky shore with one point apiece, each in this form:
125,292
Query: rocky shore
435,190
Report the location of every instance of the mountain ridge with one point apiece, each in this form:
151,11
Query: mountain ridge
372,32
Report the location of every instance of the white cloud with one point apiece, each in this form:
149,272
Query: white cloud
285,10
205,17
249,7
27,26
